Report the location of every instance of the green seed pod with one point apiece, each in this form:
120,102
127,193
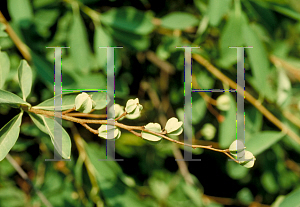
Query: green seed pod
174,127
249,160
133,108
84,103
102,131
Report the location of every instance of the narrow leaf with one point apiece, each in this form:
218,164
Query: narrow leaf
102,39
216,10
12,99
231,37
258,60
65,148
20,10
25,78
129,19
4,67
179,20
79,46
292,199
227,129
9,135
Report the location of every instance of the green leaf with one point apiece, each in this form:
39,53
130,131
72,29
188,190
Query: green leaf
9,135
102,39
283,89
38,121
44,19
199,108
216,10
2,32
179,20
286,11
65,148
12,196
227,128
68,101
245,196
236,171
268,181
259,62
129,19
231,37
292,199
79,46
20,10
4,67
25,78
261,141
151,137
109,176
12,99
137,42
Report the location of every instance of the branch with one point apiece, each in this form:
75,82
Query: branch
84,122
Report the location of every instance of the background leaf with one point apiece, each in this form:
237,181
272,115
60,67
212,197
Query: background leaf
4,68
291,200
262,141
227,132
20,10
179,20
79,46
102,39
128,19
216,10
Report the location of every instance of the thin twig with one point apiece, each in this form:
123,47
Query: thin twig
67,111
120,125
26,178
94,131
24,50
290,68
122,115
95,116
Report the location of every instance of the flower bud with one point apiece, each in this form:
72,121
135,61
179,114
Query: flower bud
84,103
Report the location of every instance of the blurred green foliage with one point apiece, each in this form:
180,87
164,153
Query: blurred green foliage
149,176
